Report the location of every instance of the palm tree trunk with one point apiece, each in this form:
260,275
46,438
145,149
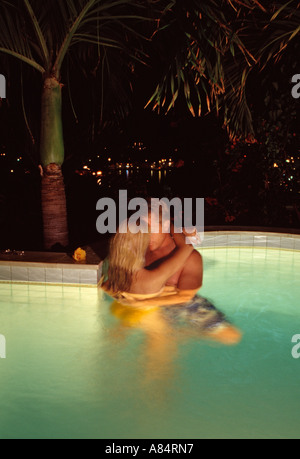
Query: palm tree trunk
53,194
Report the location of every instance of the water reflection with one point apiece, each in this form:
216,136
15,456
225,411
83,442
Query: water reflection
150,350
163,330
160,341
159,176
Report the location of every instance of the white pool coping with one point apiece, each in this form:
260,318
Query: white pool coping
251,239
47,273
90,275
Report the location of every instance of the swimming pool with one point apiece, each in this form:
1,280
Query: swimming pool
72,370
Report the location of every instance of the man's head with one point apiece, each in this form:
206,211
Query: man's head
159,224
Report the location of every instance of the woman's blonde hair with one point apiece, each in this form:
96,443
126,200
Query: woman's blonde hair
126,257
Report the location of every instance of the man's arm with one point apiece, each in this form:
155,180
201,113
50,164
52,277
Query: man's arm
191,276
153,280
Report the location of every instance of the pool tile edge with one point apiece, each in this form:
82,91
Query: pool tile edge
39,274
250,240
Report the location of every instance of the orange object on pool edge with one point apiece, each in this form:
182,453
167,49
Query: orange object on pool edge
79,255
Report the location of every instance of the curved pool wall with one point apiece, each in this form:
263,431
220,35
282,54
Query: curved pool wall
251,239
61,270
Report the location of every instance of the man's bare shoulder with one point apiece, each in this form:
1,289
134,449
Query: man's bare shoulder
195,260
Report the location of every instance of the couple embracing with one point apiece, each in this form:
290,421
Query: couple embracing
157,269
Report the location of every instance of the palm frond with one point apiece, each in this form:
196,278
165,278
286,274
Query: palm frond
70,34
207,58
280,30
210,50
15,38
38,32
42,33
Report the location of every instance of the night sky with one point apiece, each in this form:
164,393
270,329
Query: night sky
241,199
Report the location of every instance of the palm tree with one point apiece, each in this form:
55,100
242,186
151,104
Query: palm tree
209,50
42,34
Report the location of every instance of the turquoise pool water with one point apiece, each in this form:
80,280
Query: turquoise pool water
72,370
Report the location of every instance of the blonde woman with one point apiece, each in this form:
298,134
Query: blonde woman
128,278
